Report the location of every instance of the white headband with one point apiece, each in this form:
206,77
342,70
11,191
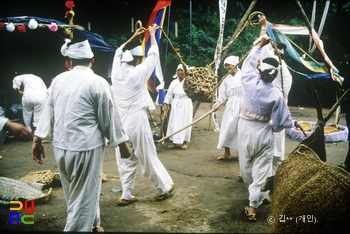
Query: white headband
128,54
233,60
80,50
180,66
266,66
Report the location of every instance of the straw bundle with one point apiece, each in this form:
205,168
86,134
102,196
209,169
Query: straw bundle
200,83
313,194
46,177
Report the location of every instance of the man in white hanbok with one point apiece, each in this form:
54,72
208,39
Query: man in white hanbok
231,89
181,110
263,112
33,98
82,112
129,78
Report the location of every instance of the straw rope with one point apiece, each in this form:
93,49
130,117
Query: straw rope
201,82
300,48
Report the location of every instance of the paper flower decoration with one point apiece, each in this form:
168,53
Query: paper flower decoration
10,27
53,27
2,26
22,28
70,13
70,4
33,24
67,31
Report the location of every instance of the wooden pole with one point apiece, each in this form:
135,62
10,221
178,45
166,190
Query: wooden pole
315,94
240,25
308,24
190,32
194,122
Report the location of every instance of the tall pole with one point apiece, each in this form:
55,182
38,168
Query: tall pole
190,31
167,43
132,24
317,100
240,25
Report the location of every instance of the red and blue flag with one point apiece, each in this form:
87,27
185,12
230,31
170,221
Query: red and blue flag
155,83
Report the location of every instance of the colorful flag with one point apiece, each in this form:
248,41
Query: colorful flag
157,17
319,69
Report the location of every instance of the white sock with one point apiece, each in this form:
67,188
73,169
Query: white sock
127,194
159,190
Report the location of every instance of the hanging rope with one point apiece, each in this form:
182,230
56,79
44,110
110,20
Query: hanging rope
247,23
241,23
203,89
274,45
299,48
201,82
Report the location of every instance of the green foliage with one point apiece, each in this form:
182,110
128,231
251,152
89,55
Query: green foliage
199,48
337,6
196,43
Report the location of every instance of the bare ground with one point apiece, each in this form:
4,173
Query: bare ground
208,195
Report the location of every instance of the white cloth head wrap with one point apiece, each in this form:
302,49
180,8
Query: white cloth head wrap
80,50
265,66
233,60
128,54
180,66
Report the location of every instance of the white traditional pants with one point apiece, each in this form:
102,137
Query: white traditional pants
81,178
33,103
255,149
279,149
143,154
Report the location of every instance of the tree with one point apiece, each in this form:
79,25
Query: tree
205,31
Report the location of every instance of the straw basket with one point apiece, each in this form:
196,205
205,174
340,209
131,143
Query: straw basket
313,195
46,177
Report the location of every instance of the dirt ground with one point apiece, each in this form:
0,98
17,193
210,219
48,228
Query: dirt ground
208,195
